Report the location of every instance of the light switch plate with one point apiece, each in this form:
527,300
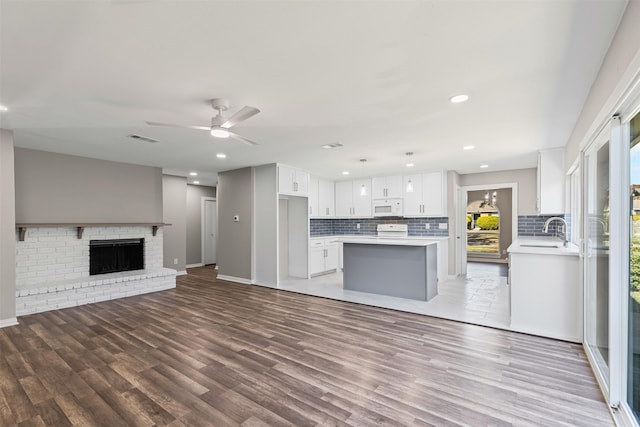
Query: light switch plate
427,226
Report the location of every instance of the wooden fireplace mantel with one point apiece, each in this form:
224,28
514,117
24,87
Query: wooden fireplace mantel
80,226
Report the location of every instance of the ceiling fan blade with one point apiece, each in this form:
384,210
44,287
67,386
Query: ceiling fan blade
170,125
241,115
242,139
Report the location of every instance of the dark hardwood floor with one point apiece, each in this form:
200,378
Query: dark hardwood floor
216,353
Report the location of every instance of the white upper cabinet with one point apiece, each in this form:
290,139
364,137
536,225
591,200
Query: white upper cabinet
353,198
293,181
551,182
321,198
326,198
314,204
386,187
425,194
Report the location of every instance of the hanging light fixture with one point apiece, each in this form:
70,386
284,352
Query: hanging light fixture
409,188
410,161
363,188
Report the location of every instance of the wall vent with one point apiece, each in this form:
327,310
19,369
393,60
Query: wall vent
142,138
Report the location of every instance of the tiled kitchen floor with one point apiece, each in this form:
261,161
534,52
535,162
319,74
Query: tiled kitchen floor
480,297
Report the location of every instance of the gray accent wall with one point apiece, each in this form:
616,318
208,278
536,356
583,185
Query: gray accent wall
53,187
195,193
174,195
265,221
7,229
527,185
234,197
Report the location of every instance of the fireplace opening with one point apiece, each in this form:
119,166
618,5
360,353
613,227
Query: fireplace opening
110,256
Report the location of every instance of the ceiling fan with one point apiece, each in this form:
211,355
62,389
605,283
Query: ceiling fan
219,123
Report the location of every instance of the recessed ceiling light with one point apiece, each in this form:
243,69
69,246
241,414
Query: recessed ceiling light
196,182
468,147
484,166
456,99
3,108
410,165
221,156
193,173
345,172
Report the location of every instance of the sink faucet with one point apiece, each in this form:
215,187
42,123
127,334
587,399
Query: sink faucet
563,230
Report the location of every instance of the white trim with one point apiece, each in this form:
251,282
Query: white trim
236,279
203,199
618,236
12,321
181,273
199,264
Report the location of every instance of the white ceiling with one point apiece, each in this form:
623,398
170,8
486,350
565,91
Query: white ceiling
79,76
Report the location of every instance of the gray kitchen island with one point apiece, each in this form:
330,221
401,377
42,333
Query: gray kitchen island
400,268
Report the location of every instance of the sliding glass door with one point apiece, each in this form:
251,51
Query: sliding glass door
596,253
633,348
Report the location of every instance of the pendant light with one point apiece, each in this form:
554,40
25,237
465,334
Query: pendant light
363,188
409,188
409,154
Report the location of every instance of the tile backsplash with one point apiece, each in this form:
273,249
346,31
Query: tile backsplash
368,226
531,225
528,225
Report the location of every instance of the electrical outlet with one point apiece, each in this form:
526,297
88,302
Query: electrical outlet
358,226
175,261
443,226
427,226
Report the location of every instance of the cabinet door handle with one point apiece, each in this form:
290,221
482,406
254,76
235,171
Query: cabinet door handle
327,211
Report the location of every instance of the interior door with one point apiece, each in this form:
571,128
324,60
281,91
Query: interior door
210,232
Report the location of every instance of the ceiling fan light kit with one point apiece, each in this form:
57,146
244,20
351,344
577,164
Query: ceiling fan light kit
220,125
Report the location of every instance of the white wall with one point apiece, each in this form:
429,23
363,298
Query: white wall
621,64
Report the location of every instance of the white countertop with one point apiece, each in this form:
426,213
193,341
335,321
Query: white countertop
361,236
542,246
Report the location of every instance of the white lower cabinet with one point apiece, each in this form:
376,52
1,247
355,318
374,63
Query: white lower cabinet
323,255
546,298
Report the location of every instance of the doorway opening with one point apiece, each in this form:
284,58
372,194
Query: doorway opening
483,226
209,230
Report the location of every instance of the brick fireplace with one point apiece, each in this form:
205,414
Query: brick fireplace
53,267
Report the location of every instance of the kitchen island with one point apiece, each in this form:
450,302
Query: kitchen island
402,268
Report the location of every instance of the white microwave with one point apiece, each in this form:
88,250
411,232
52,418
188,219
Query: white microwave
387,207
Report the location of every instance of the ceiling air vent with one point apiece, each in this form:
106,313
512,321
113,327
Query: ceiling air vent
335,145
142,138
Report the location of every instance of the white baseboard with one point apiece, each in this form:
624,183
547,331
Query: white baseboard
8,322
199,264
181,273
236,279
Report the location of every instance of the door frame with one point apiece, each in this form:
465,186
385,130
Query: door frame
461,218
203,200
